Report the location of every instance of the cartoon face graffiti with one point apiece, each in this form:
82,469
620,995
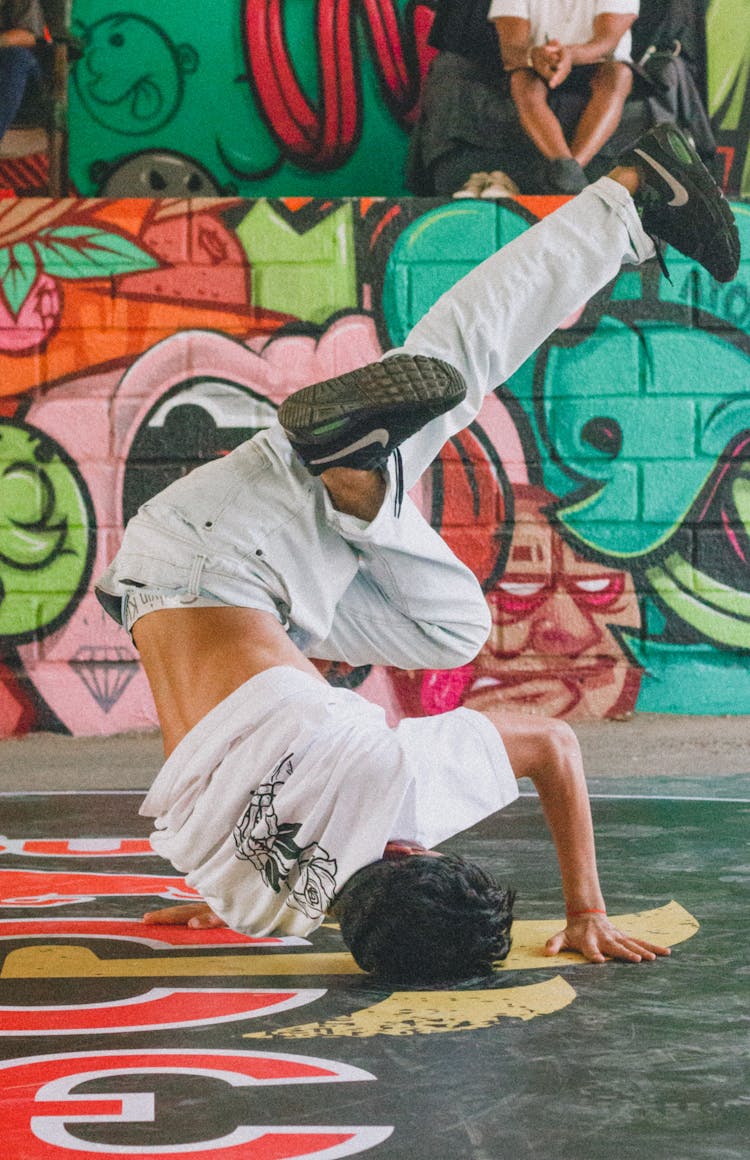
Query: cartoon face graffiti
552,648
154,173
131,78
45,532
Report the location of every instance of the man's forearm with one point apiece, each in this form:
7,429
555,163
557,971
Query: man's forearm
593,51
607,33
17,38
547,752
564,799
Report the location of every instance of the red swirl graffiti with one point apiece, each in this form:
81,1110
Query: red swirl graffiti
323,135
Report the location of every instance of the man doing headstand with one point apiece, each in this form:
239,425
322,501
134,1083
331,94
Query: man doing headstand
281,796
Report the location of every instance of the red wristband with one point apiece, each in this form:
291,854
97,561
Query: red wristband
580,913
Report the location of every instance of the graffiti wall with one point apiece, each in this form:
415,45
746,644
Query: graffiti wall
602,497
288,97
728,52
270,97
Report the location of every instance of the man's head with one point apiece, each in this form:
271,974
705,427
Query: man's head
425,919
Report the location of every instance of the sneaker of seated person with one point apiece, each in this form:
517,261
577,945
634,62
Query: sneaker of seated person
565,175
499,185
474,187
681,204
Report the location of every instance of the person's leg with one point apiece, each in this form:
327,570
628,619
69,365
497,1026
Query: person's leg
611,85
539,123
486,326
411,604
491,321
17,65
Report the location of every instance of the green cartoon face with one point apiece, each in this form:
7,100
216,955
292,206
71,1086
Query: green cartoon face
131,77
45,533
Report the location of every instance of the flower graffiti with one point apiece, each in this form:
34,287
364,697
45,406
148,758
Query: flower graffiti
39,251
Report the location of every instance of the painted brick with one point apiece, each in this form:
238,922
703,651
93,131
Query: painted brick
669,489
728,304
474,223
651,428
90,421
612,360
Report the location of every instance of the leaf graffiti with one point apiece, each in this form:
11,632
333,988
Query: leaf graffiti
68,252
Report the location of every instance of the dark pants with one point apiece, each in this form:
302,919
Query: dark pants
17,66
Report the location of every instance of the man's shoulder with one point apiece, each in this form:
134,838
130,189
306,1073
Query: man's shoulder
26,14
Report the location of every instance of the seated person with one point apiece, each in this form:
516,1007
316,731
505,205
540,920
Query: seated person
21,24
546,44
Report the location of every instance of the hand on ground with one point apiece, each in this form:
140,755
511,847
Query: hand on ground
596,938
198,915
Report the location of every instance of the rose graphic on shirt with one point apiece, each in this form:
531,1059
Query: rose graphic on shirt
270,846
274,858
260,822
316,885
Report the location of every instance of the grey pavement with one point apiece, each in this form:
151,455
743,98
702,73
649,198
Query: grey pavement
648,752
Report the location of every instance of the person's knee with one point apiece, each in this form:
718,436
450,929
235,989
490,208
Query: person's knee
459,643
17,61
559,743
612,77
527,88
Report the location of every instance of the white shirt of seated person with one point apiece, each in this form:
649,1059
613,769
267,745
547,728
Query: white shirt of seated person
569,21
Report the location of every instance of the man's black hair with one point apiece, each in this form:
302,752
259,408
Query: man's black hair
422,919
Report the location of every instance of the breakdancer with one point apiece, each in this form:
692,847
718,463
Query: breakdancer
283,798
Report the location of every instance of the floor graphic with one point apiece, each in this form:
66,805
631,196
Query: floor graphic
120,1041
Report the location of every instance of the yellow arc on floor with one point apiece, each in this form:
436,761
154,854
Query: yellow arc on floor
429,1012
668,925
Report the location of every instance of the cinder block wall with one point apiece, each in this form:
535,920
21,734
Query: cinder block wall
603,497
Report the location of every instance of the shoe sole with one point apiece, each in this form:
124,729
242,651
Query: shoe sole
721,235
358,419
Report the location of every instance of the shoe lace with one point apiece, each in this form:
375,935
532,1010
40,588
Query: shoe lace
659,248
398,498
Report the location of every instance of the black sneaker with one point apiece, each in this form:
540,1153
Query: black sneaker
565,175
358,419
681,204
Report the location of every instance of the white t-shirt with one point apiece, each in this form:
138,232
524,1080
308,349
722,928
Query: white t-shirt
288,787
569,21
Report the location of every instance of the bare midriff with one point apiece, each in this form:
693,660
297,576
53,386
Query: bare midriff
195,657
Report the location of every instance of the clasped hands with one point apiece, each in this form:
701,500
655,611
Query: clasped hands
552,61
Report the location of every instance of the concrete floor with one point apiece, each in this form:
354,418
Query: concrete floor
680,749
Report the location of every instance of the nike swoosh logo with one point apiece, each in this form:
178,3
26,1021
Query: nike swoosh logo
380,435
681,195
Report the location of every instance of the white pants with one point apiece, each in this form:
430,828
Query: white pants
254,529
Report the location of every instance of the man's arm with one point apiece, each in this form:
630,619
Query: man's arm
547,751
17,38
609,29
26,24
517,51
553,60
